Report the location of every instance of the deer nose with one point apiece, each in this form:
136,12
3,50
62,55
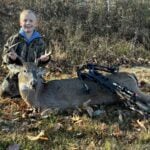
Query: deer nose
33,84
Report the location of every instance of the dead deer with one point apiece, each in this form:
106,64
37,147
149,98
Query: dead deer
68,93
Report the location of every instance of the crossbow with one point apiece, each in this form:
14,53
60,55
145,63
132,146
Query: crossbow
94,73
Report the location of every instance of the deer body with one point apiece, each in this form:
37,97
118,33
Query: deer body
69,93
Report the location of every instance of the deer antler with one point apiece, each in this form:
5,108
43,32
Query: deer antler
36,60
12,46
18,57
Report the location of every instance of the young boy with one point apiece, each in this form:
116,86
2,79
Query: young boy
27,45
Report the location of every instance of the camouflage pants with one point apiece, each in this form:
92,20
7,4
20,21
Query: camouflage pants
9,87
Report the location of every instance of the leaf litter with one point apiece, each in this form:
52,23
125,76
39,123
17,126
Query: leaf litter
27,120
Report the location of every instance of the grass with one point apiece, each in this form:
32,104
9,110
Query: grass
74,130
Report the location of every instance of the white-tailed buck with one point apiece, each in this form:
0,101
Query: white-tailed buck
68,93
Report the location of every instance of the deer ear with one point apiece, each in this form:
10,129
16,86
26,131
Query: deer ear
14,68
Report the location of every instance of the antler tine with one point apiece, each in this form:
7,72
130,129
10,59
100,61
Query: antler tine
12,46
48,53
36,60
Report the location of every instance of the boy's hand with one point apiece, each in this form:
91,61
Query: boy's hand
45,57
12,55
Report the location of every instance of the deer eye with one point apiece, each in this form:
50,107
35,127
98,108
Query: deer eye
25,71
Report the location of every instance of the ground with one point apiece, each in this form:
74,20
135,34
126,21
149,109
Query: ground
115,127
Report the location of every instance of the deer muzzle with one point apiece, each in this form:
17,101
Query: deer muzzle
33,84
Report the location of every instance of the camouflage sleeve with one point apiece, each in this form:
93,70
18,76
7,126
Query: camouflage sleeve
41,48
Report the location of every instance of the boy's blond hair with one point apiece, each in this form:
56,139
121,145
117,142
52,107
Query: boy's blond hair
27,11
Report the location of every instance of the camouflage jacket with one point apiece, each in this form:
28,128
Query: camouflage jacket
28,52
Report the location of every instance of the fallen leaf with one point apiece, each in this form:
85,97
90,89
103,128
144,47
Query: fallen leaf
79,122
75,118
120,116
40,136
69,128
46,113
91,146
141,124
58,126
89,111
117,133
88,108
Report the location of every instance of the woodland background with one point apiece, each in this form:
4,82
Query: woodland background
112,31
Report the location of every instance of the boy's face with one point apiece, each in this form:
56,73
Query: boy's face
28,22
